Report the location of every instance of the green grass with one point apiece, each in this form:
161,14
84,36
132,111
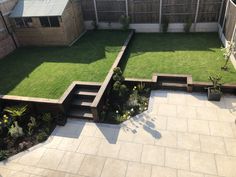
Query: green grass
197,54
46,72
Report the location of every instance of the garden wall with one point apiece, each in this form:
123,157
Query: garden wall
147,15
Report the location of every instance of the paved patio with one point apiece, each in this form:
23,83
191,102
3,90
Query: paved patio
181,135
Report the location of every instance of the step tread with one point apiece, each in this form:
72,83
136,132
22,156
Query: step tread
81,113
86,91
82,102
172,84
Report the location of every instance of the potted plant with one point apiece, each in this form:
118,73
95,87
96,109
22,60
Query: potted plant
214,92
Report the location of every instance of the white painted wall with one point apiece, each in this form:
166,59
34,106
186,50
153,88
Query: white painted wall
151,28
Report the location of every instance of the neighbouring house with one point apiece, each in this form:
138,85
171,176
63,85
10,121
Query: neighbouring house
47,22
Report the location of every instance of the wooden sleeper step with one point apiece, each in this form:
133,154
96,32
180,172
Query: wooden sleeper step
85,114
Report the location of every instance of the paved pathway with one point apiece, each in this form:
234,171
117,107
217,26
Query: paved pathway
181,135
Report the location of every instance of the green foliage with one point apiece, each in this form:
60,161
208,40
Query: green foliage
16,111
228,51
165,25
216,82
41,136
47,119
125,22
3,155
187,25
118,86
32,125
5,121
15,130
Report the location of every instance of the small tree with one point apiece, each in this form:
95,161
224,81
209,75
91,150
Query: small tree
165,25
125,22
216,83
228,51
119,87
187,25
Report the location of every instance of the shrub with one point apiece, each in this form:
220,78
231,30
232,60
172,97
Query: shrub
118,86
125,22
165,25
187,25
228,51
41,136
16,111
3,155
216,82
47,119
15,130
32,125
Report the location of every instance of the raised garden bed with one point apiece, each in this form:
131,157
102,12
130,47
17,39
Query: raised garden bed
195,54
46,72
21,128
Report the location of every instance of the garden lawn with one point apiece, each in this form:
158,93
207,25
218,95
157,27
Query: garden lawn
198,54
46,72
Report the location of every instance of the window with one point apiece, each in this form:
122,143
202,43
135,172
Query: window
23,22
54,21
19,22
44,21
49,21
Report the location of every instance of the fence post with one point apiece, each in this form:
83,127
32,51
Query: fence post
127,8
160,15
221,9
234,32
196,15
95,9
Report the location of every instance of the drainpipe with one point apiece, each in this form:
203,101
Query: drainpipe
8,31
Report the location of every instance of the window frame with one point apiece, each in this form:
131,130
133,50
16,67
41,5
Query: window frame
50,22
25,23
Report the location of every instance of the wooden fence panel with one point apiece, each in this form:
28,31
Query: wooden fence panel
230,21
88,9
209,10
110,10
179,11
144,11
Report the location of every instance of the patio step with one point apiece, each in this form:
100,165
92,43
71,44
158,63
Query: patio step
172,82
82,98
81,113
82,102
86,92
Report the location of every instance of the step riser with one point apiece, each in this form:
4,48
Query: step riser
172,88
92,87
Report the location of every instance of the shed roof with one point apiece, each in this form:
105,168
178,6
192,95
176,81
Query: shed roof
39,8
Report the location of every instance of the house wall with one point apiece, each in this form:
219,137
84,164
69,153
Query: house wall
6,42
71,25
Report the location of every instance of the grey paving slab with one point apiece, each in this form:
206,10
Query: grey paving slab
180,135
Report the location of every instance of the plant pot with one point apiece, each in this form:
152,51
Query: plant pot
213,96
